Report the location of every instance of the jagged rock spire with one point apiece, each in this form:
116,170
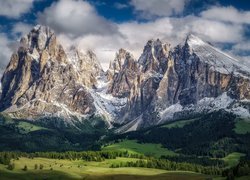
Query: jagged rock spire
123,71
42,78
154,56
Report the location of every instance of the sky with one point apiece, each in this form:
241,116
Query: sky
104,26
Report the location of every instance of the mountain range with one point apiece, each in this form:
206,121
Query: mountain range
44,79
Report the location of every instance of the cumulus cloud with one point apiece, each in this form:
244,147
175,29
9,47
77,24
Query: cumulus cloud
135,35
77,23
20,29
242,46
217,31
132,36
76,18
227,14
104,46
156,8
5,53
15,8
232,22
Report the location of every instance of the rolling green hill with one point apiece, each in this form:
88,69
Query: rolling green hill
210,135
233,159
148,149
78,169
213,141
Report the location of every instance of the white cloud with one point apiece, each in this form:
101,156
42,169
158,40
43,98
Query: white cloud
104,46
118,5
242,46
15,8
21,29
217,31
5,53
156,8
134,35
76,18
77,23
227,14
137,34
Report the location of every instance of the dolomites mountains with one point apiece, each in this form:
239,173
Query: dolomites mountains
165,83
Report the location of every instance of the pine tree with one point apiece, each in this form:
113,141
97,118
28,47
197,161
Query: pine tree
11,166
25,168
41,167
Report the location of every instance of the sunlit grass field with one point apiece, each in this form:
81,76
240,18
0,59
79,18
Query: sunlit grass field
79,169
233,158
132,146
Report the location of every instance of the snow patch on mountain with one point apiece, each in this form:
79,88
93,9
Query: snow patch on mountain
219,60
221,102
169,112
106,104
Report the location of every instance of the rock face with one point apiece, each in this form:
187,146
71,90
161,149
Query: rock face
152,65
154,57
124,70
166,83
194,77
41,80
86,65
198,70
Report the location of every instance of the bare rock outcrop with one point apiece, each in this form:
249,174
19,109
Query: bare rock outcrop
42,80
125,70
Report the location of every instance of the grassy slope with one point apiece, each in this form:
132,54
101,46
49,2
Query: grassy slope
242,126
132,146
89,170
178,124
233,158
26,127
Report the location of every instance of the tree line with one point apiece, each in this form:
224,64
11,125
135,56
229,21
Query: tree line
243,168
205,161
98,156
170,166
211,135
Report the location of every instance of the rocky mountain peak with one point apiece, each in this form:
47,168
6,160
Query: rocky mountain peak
154,56
38,50
117,63
198,78
129,62
38,38
125,70
215,58
194,40
43,79
85,64
84,60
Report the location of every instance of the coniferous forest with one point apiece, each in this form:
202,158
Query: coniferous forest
200,146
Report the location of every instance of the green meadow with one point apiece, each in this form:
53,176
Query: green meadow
79,169
233,158
132,146
242,126
26,127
